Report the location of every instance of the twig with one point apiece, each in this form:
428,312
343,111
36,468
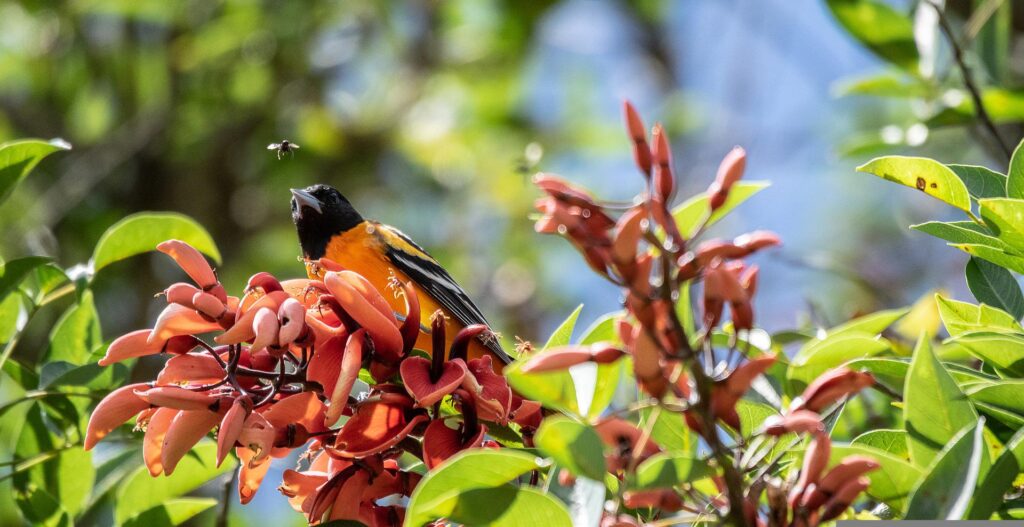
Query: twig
972,88
225,501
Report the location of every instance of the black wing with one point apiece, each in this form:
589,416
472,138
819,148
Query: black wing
433,278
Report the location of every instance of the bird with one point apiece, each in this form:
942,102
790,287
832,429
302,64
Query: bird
330,227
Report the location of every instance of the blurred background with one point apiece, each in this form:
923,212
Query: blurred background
432,116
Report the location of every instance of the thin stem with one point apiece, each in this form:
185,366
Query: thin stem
225,506
972,88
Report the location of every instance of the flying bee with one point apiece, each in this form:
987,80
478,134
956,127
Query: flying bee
284,147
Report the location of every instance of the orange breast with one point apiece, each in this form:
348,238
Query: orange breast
361,250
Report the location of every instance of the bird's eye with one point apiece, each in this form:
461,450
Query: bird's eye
295,205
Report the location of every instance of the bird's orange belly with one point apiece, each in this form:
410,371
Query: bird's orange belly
373,266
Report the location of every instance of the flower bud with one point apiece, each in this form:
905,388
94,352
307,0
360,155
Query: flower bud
729,172
116,408
798,422
664,180
830,387
843,498
191,261
181,293
635,127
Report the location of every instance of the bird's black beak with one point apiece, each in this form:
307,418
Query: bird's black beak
305,200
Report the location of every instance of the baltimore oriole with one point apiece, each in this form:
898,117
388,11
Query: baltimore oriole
330,227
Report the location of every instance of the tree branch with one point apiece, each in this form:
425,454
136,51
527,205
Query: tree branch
965,71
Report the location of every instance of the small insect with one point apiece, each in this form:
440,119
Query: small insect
284,147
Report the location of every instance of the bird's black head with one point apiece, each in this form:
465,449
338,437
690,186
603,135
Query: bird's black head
319,213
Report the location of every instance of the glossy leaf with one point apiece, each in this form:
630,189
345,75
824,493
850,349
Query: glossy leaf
556,389
142,232
961,232
174,512
504,506
141,492
981,182
18,158
1006,218
13,272
946,489
1003,351
995,286
891,441
934,408
669,469
1015,176
77,333
871,324
961,317
999,479
880,28
670,431
823,355
995,255
1004,400
462,480
573,445
928,176
607,376
893,482
691,213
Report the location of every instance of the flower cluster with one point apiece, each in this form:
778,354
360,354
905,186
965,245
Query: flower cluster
280,373
655,258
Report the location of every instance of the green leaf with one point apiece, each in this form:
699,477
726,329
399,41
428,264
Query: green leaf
442,492
669,469
555,389
18,158
995,255
820,356
995,286
961,317
894,480
670,431
607,378
960,232
891,441
141,492
1015,177
882,85
872,323
1003,400
927,175
981,182
934,408
13,272
573,445
1003,351
1005,216
880,28
562,335
41,508
504,506
174,512
77,333
691,213
142,232
752,415
946,489
999,479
